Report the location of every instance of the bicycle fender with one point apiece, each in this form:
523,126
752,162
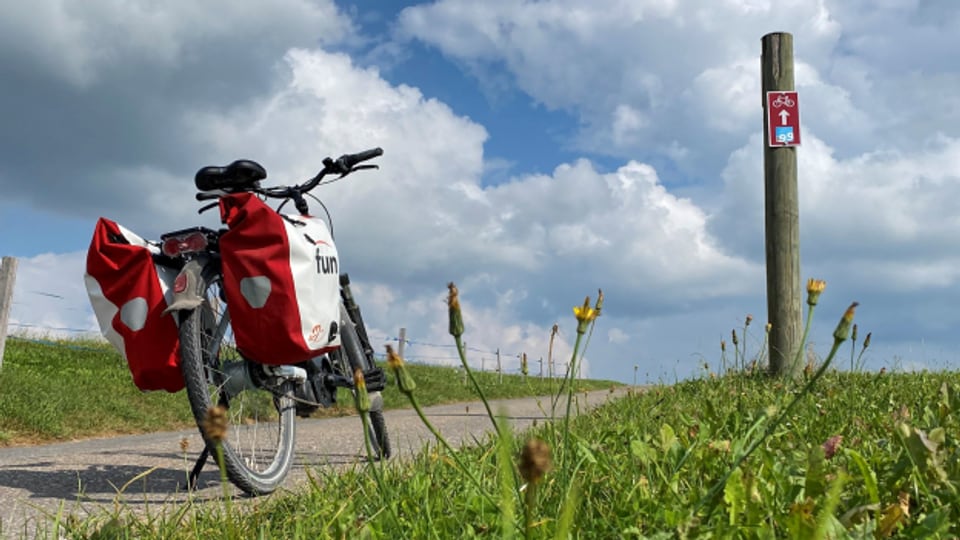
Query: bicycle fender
185,295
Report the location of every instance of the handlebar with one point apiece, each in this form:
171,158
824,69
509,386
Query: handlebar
342,166
350,160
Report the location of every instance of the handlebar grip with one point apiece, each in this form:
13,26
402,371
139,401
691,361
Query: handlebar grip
349,160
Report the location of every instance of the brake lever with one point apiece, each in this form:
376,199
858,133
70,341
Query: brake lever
208,207
362,167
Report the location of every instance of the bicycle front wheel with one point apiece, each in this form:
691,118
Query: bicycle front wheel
350,357
257,448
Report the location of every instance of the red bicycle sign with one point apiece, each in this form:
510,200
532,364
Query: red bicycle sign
783,118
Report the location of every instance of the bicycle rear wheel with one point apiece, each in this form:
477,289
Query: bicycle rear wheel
257,451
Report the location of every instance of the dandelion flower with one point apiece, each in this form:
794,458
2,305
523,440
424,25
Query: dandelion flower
215,423
584,315
398,366
814,288
361,395
453,305
842,331
535,461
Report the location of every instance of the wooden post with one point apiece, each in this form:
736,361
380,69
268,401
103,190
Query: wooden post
541,367
782,217
499,368
403,340
8,274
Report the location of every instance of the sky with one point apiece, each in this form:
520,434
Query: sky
535,151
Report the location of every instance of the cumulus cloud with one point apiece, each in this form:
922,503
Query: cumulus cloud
84,44
627,61
116,106
620,66
102,90
427,212
527,247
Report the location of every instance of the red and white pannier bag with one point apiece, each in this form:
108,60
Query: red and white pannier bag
128,293
282,282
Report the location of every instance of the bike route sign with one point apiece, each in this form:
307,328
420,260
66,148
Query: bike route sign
783,118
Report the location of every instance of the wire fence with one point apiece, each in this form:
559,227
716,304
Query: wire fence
423,355
416,350
424,352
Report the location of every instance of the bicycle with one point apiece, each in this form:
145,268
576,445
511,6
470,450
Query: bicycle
261,399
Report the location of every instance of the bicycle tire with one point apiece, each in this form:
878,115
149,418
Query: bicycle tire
351,351
266,415
378,425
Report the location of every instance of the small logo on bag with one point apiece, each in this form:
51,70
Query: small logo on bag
315,242
315,333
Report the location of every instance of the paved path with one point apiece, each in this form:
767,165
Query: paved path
86,477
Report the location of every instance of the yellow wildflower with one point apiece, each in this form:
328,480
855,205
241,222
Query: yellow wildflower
814,288
584,315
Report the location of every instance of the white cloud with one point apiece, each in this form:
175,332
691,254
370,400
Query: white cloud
80,41
427,213
865,207
617,336
863,68
525,249
627,60
650,81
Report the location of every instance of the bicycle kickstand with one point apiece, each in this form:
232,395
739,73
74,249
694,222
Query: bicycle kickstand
197,467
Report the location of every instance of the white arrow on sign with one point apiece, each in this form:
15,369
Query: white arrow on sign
783,117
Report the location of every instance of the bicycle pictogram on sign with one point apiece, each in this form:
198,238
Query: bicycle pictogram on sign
783,100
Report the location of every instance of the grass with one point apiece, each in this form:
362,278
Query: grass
59,391
641,465
739,455
65,390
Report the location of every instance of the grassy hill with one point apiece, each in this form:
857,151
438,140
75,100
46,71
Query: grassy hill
54,391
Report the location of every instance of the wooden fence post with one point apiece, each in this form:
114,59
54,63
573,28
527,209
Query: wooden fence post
782,214
8,274
403,340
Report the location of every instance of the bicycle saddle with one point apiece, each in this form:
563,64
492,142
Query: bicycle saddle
240,174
